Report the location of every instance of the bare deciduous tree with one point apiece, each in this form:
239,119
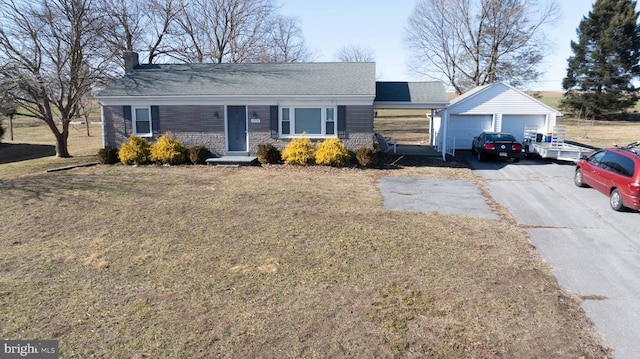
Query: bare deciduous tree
8,106
161,21
124,25
355,53
285,42
51,59
476,42
224,30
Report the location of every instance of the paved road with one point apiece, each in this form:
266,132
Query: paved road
594,250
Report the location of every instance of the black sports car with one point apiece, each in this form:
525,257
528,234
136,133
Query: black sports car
496,144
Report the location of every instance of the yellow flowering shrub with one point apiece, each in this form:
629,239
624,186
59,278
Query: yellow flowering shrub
168,150
299,151
135,151
332,152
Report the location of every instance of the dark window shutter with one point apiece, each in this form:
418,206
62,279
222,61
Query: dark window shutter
126,110
155,119
273,113
342,121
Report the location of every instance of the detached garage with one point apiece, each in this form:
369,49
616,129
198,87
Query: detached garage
495,107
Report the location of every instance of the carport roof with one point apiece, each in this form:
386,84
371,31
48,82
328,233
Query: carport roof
410,95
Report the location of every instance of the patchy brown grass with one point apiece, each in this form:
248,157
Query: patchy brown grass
279,261
403,126
601,133
33,147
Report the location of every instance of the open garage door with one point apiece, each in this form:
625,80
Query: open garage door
517,123
465,127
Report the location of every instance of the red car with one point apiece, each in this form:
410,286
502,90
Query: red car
614,172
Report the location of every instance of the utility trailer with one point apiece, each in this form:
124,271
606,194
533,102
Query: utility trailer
553,145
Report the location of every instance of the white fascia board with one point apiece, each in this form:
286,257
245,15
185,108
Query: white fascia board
233,100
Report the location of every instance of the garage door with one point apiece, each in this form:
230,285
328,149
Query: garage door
465,127
516,124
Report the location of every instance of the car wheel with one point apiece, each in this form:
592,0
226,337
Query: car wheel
615,200
577,178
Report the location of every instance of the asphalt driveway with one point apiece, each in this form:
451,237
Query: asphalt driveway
595,251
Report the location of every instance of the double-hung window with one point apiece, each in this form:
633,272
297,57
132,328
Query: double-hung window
312,121
142,121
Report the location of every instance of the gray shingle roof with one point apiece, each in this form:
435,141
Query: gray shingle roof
295,79
415,92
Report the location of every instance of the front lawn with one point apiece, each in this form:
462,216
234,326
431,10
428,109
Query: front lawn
271,262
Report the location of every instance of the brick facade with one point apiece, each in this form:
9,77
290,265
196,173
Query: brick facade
198,125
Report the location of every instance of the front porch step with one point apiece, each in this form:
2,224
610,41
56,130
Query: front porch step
232,161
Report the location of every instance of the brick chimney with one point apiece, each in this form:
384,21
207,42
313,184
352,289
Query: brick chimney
130,61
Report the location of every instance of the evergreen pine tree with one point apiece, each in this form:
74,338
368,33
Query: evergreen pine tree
606,60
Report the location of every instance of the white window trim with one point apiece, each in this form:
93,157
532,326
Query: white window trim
323,119
134,121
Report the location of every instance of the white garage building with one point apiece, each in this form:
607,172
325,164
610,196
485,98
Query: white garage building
495,107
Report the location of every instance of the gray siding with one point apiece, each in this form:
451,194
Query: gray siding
114,125
359,119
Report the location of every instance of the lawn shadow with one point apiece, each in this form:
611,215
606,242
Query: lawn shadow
399,161
16,152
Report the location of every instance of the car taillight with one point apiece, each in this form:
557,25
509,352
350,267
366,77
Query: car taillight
517,147
490,146
634,189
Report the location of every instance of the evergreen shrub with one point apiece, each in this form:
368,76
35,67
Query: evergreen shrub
135,151
367,157
108,155
299,151
268,153
168,150
332,152
198,155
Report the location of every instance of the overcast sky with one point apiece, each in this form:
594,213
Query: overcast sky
329,25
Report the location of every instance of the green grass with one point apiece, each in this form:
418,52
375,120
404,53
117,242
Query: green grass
280,261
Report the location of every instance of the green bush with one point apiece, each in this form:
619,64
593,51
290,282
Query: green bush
299,151
168,150
332,152
198,155
108,155
135,151
367,157
267,153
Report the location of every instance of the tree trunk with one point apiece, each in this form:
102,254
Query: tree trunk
86,123
62,149
11,127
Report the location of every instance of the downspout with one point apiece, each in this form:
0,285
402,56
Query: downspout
431,140
547,125
444,124
102,125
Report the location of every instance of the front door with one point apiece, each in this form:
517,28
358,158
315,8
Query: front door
237,129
